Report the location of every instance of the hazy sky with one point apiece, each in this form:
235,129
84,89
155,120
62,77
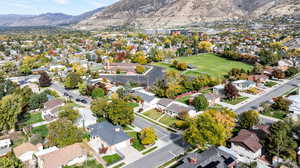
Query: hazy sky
73,7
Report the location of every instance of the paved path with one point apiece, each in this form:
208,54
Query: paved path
42,123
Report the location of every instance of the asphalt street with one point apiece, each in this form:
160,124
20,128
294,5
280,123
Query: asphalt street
275,93
161,133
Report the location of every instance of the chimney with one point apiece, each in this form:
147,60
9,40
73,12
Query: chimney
117,129
193,160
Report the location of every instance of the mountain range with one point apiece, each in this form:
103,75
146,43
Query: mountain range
159,13
47,19
172,13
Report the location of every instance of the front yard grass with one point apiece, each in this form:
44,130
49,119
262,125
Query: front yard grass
235,101
270,84
279,114
136,143
149,150
153,114
168,120
41,130
88,164
111,159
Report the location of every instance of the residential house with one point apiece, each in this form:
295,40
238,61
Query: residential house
246,144
214,157
258,78
174,108
25,151
212,98
294,108
4,147
106,137
51,109
242,85
147,97
284,64
163,103
67,156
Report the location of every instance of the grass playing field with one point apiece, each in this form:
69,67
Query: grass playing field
210,64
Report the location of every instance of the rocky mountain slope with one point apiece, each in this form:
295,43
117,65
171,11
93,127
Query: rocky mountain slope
47,19
170,13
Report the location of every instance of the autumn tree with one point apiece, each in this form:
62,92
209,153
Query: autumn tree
249,119
231,91
44,80
10,162
69,113
117,111
281,103
72,80
205,46
63,133
147,136
213,127
140,69
279,74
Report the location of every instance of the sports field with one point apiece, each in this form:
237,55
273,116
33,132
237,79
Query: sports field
210,64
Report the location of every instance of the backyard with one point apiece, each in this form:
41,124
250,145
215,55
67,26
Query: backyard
31,118
210,64
41,130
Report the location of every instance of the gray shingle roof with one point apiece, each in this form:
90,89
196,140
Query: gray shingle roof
165,102
145,97
176,108
109,133
211,158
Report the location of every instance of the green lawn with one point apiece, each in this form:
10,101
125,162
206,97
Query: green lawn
184,99
275,114
154,114
136,143
111,159
210,64
168,120
41,130
133,105
87,164
270,84
235,101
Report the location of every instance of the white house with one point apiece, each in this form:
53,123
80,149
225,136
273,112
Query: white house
107,138
242,85
4,146
174,108
246,144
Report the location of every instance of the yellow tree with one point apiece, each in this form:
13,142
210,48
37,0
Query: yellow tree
205,46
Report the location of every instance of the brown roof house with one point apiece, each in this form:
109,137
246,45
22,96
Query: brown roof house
246,144
25,151
51,109
67,156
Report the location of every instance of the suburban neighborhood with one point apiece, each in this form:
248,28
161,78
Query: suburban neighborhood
225,95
